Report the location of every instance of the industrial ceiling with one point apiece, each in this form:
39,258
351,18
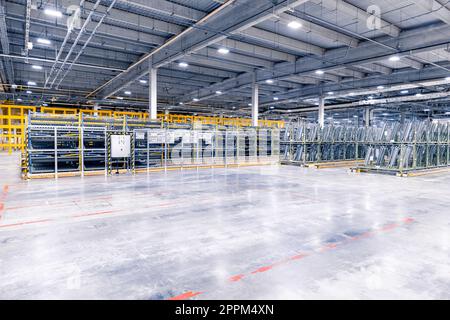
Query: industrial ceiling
208,53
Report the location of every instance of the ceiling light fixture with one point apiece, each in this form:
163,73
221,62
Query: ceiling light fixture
29,92
320,72
394,58
36,67
380,87
143,81
269,81
223,51
218,92
275,98
31,83
43,41
127,93
183,64
195,99
53,13
404,91
119,98
294,25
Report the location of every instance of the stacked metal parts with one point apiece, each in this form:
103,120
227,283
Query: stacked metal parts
409,147
72,145
304,143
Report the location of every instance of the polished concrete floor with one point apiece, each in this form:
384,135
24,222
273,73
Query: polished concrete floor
248,233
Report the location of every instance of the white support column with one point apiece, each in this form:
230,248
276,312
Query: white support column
321,117
153,98
255,103
367,117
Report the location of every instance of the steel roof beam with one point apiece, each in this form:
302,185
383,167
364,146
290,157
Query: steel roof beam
373,67
201,71
281,41
135,21
413,63
399,77
437,9
15,10
256,50
367,52
315,29
349,73
229,18
358,13
165,7
234,57
214,63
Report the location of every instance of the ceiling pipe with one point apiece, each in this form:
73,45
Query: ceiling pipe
94,31
61,50
77,39
171,40
89,66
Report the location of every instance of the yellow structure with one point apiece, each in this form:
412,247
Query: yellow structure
12,126
13,121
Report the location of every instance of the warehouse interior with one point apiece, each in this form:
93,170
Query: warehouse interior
224,149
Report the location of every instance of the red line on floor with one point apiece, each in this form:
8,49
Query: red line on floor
186,295
24,223
237,278
262,269
2,199
59,203
329,246
300,256
59,218
94,213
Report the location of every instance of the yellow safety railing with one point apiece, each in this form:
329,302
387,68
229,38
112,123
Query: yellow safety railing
12,126
13,119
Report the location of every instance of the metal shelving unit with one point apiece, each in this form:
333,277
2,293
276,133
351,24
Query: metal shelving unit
305,143
68,146
13,120
408,148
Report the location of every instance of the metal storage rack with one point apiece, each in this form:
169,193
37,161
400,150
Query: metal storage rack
13,121
408,149
67,145
306,143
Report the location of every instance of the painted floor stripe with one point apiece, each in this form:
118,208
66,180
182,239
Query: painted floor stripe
323,248
186,295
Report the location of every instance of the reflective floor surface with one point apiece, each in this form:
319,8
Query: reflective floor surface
271,232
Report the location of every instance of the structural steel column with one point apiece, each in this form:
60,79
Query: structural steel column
321,117
255,103
152,93
367,117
